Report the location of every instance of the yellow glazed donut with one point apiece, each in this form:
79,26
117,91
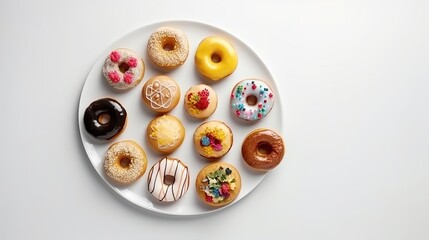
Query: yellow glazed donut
216,58
125,162
168,47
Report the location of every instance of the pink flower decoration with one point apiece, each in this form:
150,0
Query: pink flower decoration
128,78
217,146
115,56
114,76
132,62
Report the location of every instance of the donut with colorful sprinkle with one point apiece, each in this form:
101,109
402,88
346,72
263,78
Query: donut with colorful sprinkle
123,69
251,99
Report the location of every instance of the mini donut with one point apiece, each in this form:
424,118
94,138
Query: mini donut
168,48
218,184
125,162
105,119
251,99
263,149
168,179
165,133
161,93
123,69
200,101
216,58
213,139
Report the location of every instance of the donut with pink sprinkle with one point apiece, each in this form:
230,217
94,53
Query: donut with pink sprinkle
123,69
251,99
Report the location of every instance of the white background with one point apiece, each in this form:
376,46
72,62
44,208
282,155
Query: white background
354,77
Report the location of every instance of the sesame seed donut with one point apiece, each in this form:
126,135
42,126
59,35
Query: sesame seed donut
168,48
263,149
125,162
213,139
123,69
168,179
105,119
251,99
216,58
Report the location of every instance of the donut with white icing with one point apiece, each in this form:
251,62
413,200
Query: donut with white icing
123,69
251,99
168,179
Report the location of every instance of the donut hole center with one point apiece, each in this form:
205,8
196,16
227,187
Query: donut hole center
169,180
169,44
216,58
104,118
264,149
125,162
251,100
123,67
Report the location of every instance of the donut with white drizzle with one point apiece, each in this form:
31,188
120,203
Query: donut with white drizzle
251,99
168,179
123,69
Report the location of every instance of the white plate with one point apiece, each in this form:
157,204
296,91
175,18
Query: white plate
250,65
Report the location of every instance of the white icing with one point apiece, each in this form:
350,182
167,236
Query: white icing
176,170
110,66
264,99
160,94
166,132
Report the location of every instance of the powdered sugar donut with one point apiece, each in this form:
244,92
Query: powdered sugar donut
251,99
123,69
168,179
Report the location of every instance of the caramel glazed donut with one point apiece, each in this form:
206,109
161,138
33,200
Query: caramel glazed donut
105,118
168,179
263,149
168,47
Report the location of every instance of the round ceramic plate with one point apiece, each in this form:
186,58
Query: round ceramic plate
249,66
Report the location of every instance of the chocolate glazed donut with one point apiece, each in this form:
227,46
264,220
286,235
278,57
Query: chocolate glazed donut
263,149
105,118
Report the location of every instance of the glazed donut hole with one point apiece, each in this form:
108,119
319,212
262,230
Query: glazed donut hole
264,148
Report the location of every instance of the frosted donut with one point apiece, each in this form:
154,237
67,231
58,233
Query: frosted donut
123,69
165,133
161,93
105,119
251,99
125,162
216,58
168,47
213,139
263,149
200,101
168,179
218,184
